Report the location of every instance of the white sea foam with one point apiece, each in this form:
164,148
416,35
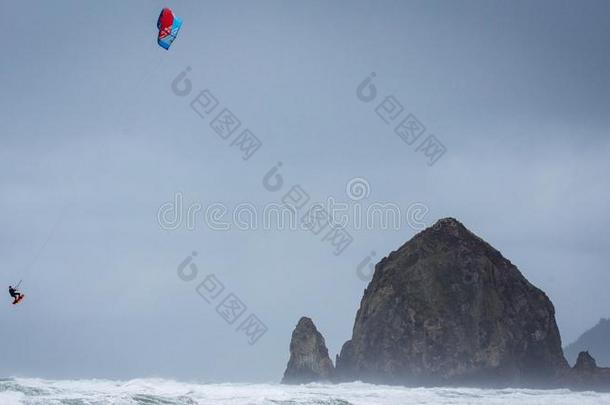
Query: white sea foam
166,392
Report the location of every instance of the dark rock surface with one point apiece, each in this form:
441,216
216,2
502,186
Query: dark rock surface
446,308
585,362
596,341
309,361
585,375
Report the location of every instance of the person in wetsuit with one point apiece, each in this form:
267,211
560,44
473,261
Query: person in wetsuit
14,293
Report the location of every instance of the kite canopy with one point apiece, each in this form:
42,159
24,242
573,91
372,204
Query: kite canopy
168,25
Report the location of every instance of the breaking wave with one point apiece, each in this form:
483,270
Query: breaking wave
32,391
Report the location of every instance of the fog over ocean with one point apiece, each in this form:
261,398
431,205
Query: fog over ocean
167,392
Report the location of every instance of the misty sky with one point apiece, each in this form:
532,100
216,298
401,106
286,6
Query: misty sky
93,141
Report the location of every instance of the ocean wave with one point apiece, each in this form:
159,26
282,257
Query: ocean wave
31,391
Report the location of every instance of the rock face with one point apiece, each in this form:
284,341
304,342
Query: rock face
585,375
309,361
585,362
447,308
596,341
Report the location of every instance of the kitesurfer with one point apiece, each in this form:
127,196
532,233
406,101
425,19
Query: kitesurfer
14,293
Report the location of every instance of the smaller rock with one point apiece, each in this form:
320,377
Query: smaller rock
309,360
585,362
595,341
585,375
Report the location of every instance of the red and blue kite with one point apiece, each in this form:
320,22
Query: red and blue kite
168,25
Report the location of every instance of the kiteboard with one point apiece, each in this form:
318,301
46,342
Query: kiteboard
18,299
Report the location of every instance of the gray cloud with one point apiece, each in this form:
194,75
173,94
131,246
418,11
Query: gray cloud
518,93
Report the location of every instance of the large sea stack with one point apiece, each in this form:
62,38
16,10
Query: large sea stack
309,361
446,308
